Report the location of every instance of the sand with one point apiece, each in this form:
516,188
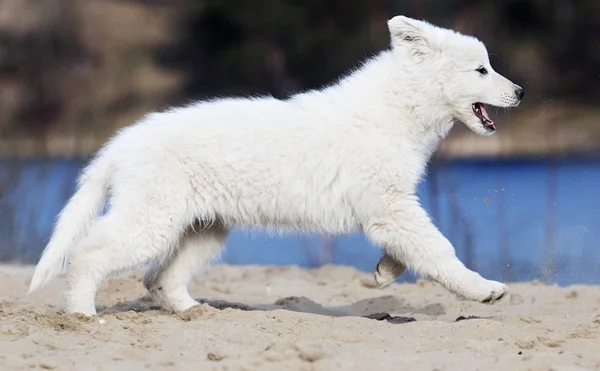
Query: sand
288,318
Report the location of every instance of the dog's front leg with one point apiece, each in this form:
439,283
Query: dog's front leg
406,234
387,270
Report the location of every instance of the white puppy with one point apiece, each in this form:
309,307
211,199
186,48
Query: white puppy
344,158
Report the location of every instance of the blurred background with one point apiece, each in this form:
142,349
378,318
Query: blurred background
520,205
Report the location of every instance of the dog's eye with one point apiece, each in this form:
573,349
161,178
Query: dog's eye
482,70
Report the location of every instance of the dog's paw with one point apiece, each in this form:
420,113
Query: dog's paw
484,291
387,271
495,296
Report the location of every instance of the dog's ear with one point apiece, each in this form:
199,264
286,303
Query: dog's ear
413,34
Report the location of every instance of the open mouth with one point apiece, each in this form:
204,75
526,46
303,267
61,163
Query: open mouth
482,115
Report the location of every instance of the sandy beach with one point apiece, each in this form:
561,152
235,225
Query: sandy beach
289,318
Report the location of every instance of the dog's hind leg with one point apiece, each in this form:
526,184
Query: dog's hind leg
118,241
168,280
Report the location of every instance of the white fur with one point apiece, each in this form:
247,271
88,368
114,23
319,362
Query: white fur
341,159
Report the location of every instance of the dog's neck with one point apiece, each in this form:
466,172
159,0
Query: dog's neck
390,93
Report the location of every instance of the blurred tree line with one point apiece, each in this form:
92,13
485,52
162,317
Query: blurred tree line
71,72
275,46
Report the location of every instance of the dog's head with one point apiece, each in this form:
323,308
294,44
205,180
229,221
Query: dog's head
458,67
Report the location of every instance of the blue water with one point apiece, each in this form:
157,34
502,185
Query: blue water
509,220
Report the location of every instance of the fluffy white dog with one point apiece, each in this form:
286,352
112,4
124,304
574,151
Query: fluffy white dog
340,159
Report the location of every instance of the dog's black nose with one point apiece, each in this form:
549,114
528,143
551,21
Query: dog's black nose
520,92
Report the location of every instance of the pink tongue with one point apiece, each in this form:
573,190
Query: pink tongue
484,113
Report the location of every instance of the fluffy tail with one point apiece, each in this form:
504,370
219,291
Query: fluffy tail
73,221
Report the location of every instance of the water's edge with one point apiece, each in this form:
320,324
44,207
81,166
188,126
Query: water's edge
513,220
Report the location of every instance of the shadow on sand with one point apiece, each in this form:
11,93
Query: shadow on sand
299,304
